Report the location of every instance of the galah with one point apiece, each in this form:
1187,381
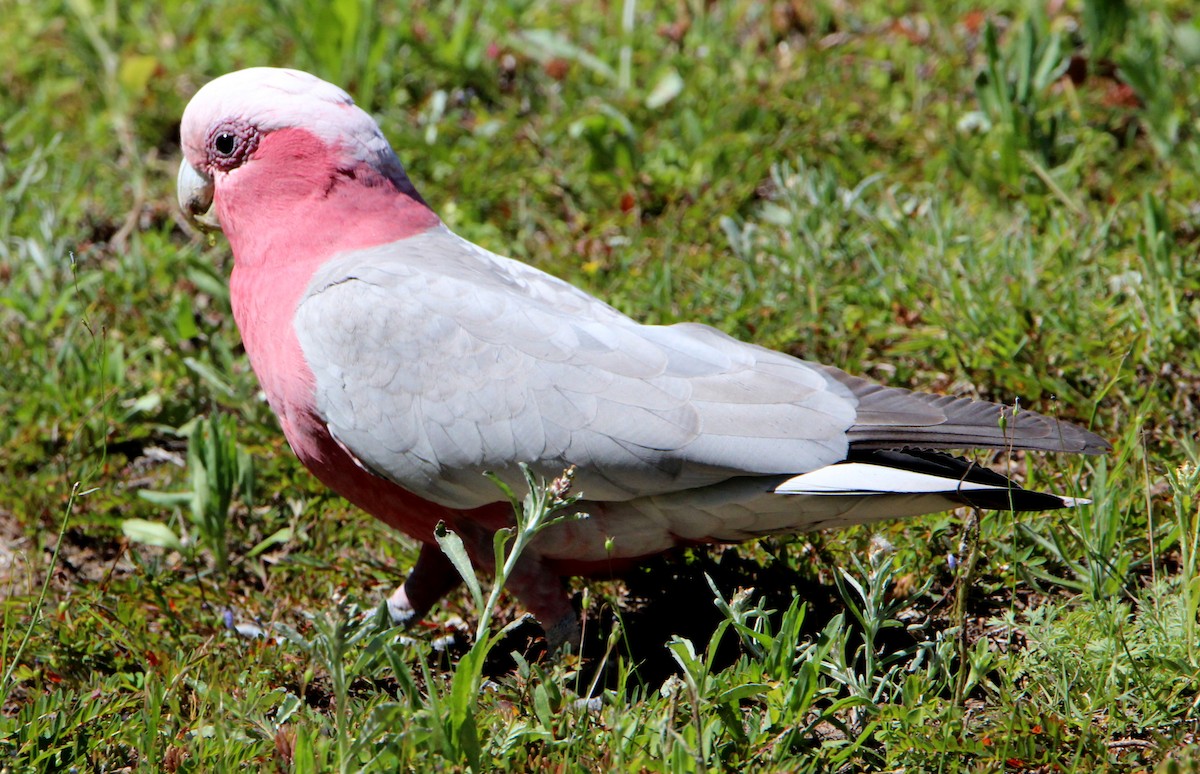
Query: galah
404,362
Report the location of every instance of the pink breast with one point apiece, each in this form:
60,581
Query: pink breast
295,205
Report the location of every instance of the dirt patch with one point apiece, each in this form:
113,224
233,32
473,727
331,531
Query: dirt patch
84,559
17,573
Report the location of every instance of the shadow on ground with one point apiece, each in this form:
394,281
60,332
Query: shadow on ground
669,596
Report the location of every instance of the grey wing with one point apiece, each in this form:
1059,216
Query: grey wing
889,417
435,361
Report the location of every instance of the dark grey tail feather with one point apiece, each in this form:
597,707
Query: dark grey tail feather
935,463
889,417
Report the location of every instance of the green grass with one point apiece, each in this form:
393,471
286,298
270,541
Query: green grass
999,204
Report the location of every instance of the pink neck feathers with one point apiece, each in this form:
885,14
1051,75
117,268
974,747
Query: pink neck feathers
298,203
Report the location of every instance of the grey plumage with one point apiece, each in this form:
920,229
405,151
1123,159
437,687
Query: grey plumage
888,416
436,361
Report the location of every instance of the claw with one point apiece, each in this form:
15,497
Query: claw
400,609
540,590
563,635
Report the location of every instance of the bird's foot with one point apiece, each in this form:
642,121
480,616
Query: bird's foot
562,635
400,609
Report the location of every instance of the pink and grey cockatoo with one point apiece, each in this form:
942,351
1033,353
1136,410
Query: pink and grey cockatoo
404,361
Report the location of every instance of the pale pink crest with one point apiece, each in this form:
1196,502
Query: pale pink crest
274,98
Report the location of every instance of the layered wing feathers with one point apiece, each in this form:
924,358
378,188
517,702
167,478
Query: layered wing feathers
435,360
891,416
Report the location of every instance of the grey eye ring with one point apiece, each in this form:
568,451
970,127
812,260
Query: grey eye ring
230,143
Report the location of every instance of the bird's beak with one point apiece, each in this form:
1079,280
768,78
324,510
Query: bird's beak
195,192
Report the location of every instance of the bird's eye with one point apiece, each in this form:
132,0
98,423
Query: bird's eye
225,143
230,143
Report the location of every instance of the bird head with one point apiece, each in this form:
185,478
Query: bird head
258,142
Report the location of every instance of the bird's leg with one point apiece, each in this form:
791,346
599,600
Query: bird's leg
541,592
535,586
432,577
